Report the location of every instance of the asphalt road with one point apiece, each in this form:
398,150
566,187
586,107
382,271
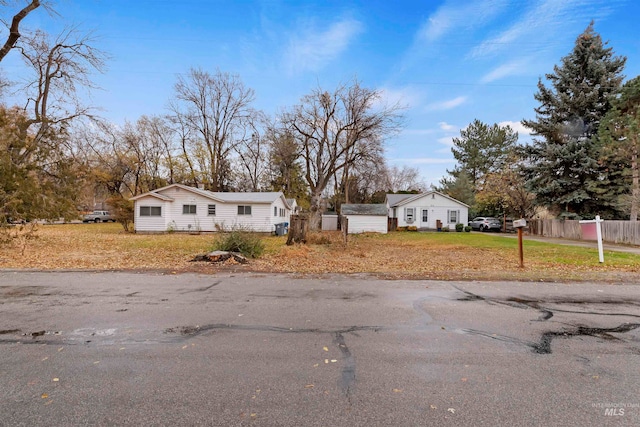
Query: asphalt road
262,350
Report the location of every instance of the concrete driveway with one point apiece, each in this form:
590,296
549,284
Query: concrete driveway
275,350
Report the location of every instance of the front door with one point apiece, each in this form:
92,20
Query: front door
424,218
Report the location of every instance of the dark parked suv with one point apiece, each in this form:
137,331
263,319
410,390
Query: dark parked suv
485,223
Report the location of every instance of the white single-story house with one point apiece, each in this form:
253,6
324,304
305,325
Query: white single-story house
178,207
365,218
426,209
293,204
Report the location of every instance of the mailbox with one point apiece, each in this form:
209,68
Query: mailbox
519,223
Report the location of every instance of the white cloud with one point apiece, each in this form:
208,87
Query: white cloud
453,17
541,25
517,126
447,105
424,161
404,97
447,127
508,69
314,50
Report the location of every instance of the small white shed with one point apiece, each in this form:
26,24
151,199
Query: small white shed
365,218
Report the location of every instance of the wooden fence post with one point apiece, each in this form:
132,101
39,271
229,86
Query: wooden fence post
344,221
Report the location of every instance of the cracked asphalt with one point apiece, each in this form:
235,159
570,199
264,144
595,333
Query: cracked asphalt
106,349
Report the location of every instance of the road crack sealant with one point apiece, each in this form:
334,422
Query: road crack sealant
543,346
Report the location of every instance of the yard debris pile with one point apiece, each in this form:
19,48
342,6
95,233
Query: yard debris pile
221,257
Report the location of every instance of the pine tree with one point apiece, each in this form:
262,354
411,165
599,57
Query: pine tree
619,135
482,149
563,169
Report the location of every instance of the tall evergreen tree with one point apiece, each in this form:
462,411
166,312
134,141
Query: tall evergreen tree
563,168
482,149
620,138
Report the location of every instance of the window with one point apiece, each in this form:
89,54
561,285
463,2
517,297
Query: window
150,211
409,214
188,209
275,211
453,217
425,215
244,210
211,210
281,212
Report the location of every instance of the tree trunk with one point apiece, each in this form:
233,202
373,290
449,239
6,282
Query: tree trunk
315,210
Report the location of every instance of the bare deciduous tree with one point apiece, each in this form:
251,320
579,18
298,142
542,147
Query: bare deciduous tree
334,130
59,68
253,154
404,178
215,109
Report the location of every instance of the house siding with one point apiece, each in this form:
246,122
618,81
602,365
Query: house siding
262,217
151,223
367,224
437,208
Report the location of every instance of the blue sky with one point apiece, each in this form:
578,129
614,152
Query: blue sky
449,62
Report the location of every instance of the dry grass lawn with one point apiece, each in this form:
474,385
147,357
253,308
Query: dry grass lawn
470,256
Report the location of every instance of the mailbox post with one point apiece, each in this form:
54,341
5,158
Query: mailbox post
519,224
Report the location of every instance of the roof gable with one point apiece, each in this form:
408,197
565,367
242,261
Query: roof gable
414,197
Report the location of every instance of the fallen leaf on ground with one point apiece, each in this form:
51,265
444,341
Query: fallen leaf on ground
453,411
397,390
325,348
55,380
309,386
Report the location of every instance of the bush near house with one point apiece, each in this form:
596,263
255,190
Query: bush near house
246,243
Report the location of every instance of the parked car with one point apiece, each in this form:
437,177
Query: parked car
485,223
98,216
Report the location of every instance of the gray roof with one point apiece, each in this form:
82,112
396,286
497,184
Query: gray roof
408,198
235,197
254,197
360,209
394,199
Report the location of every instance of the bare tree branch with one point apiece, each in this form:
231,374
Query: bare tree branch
14,30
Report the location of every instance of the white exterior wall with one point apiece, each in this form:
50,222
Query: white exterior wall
437,208
367,224
151,223
262,217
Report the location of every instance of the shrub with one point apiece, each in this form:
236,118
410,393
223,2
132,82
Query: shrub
412,228
401,229
467,229
445,228
459,227
247,243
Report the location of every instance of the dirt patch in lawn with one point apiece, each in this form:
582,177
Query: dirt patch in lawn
444,256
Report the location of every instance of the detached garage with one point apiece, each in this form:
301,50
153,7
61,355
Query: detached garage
365,218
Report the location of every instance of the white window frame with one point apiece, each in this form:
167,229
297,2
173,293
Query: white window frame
275,211
457,216
409,215
211,210
187,209
244,210
425,218
150,210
